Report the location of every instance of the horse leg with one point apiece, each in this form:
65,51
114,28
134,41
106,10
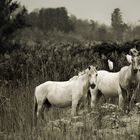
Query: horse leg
99,95
88,98
35,112
74,106
121,101
46,106
131,102
127,100
122,95
111,100
132,99
40,108
94,93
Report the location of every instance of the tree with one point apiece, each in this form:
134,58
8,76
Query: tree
102,33
51,19
10,21
117,24
33,18
136,32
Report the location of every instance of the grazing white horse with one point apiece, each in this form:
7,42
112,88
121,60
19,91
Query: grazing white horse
63,94
117,83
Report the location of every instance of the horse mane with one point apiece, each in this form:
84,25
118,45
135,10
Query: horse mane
77,76
73,78
81,73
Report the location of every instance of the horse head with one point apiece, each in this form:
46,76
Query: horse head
134,60
92,72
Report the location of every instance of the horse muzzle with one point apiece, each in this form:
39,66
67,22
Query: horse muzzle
135,70
92,86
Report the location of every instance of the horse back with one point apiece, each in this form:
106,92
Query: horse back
124,76
108,82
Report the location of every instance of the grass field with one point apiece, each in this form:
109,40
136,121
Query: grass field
106,123
22,70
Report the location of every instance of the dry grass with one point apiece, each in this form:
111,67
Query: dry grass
16,120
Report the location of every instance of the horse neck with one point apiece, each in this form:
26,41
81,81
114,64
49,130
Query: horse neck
132,71
132,74
85,79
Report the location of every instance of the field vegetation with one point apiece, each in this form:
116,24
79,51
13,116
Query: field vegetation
57,49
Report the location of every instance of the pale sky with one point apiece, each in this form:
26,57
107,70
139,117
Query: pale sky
98,10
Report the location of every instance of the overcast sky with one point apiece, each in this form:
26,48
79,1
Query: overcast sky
98,10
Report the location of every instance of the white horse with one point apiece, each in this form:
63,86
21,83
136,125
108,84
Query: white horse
63,94
116,84
129,76
107,84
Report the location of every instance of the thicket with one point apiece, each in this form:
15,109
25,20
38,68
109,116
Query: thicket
56,60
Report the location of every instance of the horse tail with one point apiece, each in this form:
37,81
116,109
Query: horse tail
35,111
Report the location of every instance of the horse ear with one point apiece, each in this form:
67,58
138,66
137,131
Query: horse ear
96,67
89,67
134,52
129,58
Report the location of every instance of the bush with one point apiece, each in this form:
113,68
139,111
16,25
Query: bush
53,60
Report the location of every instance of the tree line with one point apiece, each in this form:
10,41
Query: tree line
57,19
17,24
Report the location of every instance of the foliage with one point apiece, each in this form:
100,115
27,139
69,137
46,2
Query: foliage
51,19
117,24
53,60
10,21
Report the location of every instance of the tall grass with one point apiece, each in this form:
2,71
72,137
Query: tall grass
16,120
